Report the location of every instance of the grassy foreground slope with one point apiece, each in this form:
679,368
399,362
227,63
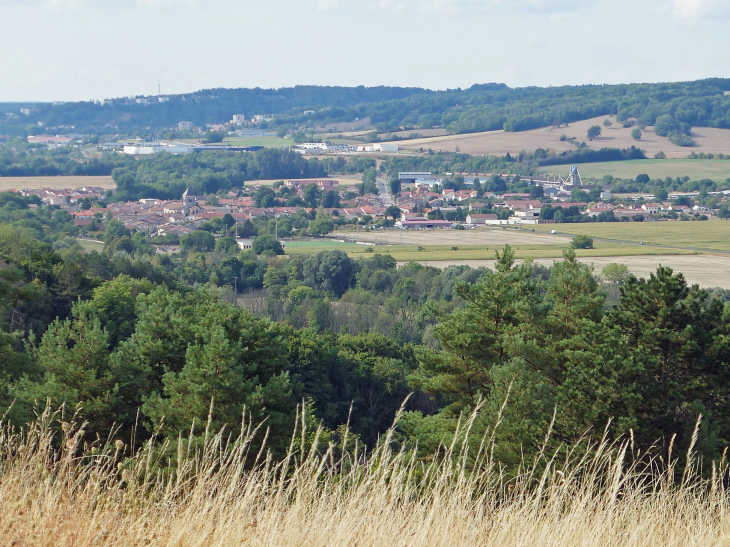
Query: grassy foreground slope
56,490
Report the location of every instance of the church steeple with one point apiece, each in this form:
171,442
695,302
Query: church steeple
188,199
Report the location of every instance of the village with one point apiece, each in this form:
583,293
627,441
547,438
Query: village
422,203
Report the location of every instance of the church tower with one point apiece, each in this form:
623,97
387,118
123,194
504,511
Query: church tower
188,200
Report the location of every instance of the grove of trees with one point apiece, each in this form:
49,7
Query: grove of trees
128,338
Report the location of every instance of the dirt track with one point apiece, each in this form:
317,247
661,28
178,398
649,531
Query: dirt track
704,270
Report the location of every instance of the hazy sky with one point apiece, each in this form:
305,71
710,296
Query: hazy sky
94,49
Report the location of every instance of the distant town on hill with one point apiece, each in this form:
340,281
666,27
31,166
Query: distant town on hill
482,107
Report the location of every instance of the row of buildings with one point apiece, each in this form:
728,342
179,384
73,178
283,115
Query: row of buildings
324,147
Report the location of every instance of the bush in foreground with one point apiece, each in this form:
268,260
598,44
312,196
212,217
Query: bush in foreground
75,491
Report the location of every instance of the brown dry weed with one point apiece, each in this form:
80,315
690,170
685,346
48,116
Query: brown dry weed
60,490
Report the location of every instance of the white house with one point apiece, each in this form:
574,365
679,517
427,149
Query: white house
652,208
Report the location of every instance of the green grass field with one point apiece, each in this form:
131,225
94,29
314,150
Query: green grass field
307,247
717,170
273,142
406,253
711,234
89,246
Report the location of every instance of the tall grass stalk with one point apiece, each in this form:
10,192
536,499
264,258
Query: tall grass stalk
58,489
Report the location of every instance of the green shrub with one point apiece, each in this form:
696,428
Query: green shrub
582,242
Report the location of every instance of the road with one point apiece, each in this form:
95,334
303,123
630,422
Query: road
384,193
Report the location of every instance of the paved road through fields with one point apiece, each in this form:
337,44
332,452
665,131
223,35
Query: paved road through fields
384,193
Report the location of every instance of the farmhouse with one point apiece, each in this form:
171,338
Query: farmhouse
476,218
652,208
599,208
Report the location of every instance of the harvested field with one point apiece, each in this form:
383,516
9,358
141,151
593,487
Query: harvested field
18,183
422,132
704,270
500,142
478,236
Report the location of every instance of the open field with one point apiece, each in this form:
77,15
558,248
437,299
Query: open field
310,247
711,234
717,170
341,127
437,253
273,142
431,252
477,236
704,270
17,183
91,245
500,142
422,132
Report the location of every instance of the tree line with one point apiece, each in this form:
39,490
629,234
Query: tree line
482,107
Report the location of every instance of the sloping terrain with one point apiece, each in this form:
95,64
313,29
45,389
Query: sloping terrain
708,139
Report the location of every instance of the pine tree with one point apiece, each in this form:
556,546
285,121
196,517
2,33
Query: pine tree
480,335
73,358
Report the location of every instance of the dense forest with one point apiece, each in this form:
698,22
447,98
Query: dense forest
156,342
676,107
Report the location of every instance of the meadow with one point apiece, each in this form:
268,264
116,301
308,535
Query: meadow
274,142
712,234
58,487
717,170
449,253
90,245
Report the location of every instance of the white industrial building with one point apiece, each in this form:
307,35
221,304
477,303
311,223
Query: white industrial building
185,126
377,147
314,146
149,148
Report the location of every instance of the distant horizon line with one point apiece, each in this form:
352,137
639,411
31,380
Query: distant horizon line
444,90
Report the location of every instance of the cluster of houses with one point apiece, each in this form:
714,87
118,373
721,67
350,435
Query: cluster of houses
56,196
180,217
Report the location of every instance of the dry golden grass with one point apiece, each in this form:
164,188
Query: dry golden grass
708,140
705,270
84,495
